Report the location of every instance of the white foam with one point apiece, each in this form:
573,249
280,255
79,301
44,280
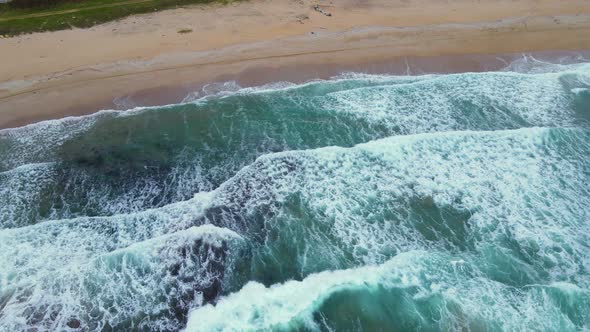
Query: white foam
580,90
458,296
516,184
529,64
500,180
210,234
34,193
443,102
72,243
501,177
16,188
119,285
256,307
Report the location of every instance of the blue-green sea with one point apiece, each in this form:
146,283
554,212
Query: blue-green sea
456,202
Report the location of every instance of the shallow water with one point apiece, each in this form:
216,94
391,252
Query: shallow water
360,203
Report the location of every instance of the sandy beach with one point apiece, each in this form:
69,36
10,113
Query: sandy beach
143,60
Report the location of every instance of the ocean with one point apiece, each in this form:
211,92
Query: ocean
358,203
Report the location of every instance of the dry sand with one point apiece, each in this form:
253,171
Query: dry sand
143,59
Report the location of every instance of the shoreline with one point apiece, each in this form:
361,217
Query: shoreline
354,42
260,76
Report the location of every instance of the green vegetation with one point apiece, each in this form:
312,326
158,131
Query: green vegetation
185,30
23,16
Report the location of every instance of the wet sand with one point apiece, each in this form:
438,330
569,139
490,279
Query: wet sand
143,60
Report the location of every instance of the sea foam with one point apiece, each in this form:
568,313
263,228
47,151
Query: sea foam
435,202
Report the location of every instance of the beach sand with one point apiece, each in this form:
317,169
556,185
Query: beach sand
143,60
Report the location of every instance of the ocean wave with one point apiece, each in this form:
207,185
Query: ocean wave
415,290
435,202
147,285
125,162
456,191
512,204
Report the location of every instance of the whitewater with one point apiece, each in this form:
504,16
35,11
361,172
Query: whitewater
359,203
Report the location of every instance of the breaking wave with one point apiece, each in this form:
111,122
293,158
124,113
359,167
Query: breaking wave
435,202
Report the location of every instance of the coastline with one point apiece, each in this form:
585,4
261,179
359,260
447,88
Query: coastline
374,36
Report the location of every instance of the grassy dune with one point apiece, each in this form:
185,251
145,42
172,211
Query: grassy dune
85,13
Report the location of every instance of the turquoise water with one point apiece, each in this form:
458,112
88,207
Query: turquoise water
360,203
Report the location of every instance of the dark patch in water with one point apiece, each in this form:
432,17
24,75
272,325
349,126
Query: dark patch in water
208,259
445,224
